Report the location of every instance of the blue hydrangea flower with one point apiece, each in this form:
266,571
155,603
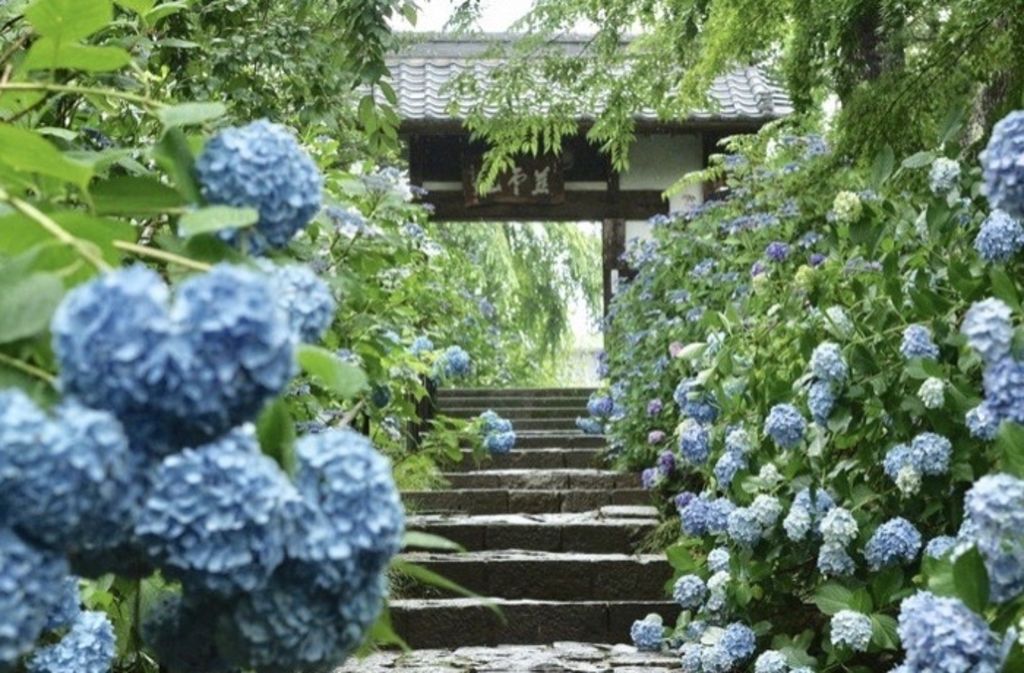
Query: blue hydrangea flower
689,591
817,503
304,298
744,528
291,625
261,166
216,517
654,407
68,607
342,476
30,590
851,629
918,343
982,423
1000,237
174,375
943,175
821,400
589,426
703,515
666,464
694,441
771,661
739,642
692,404
87,648
939,545
932,393
649,478
718,559
715,659
70,484
420,345
1002,165
647,634
498,443
726,467
931,453
490,421
690,658
1003,382
834,561
995,513
988,328
737,440
182,636
838,526
766,509
806,513
895,541
944,635
797,523
898,458
827,363
785,426
455,363
777,251
600,405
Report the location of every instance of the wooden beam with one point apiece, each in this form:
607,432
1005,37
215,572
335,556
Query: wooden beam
577,207
725,126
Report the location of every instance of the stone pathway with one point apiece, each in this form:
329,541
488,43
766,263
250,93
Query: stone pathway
550,538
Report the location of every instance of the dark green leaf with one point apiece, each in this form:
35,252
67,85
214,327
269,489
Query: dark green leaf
134,196
1003,287
340,377
216,218
27,304
418,540
430,578
832,597
29,152
884,633
1010,443
174,155
187,114
276,432
883,166
970,578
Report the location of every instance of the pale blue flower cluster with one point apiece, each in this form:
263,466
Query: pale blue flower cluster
943,175
68,607
420,345
771,661
88,647
806,513
995,518
600,406
490,421
918,343
589,426
927,454
648,633
1002,165
726,467
498,443
303,297
30,589
828,364
690,591
718,559
693,404
895,541
821,400
785,425
851,629
694,441
703,515
178,374
777,251
744,527
982,423
838,529
1000,237
944,635
989,329
739,642
938,546
261,166
666,464
455,363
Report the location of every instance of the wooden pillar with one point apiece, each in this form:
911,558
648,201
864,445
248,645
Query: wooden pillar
613,244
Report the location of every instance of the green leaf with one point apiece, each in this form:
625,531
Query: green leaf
381,634
419,540
29,152
50,54
1003,287
187,114
970,579
919,160
832,597
680,558
174,156
69,20
883,166
137,6
886,584
884,633
1010,442
276,433
343,379
161,12
216,218
430,578
124,195
27,304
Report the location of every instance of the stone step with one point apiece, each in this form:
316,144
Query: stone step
532,459
445,393
558,440
564,657
543,479
531,425
514,412
455,622
548,576
606,531
532,501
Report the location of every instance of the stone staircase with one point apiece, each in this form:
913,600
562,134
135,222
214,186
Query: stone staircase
550,539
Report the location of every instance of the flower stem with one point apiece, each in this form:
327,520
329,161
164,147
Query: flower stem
31,370
162,255
83,90
84,249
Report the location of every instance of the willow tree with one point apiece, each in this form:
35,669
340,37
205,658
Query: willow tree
894,69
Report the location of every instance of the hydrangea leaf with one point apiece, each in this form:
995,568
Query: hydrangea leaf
174,155
29,152
27,303
1003,287
344,379
187,114
970,579
919,160
216,218
51,54
68,20
137,6
276,431
883,632
1010,442
833,597
130,195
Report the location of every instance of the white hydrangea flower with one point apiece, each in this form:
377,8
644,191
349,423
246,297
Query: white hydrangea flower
837,320
770,475
932,393
908,480
847,207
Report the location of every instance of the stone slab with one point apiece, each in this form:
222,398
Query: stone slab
518,501
532,459
583,479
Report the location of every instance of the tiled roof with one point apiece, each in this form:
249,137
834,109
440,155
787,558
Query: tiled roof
421,72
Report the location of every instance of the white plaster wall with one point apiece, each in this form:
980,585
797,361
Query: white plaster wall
657,162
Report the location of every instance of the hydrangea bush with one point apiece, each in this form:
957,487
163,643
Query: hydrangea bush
842,345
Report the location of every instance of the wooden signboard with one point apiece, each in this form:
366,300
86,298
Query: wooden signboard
533,180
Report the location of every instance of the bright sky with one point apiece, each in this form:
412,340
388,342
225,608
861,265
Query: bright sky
496,15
